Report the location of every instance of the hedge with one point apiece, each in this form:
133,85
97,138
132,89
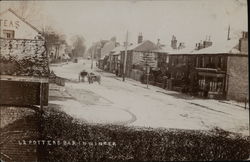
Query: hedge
139,144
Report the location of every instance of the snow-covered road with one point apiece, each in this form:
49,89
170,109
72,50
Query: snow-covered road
131,103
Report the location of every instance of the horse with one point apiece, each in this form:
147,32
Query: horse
82,75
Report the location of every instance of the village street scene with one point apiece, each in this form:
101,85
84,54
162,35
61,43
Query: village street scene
116,81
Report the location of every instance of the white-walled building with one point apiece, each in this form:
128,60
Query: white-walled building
13,26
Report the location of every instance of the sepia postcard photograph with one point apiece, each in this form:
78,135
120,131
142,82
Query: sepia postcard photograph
125,80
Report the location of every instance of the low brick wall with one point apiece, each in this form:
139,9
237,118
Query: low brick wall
18,124
238,83
136,74
11,114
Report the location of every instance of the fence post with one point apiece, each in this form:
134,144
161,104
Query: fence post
245,102
41,96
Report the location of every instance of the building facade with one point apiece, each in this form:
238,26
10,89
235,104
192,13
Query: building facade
23,61
12,26
214,71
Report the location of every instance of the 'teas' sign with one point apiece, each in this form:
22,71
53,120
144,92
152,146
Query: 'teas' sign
9,23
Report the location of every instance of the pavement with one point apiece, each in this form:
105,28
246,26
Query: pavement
131,103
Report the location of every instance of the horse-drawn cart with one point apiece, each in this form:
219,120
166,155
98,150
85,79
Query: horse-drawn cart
92,77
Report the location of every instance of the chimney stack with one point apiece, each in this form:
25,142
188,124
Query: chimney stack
243,43
207,43
140,38
174,42
181,45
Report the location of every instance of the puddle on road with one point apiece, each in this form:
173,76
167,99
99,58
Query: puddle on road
87,97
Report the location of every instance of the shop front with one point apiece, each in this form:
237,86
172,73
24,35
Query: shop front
211,83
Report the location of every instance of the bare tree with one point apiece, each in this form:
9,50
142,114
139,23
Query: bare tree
79,46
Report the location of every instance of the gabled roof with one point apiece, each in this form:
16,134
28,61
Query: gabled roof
186,50
144,46
170,50
164,49
227,47
107,48
117,50
22,19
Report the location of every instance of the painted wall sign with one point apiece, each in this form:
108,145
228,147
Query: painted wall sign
9,23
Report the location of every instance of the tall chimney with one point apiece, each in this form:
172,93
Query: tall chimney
140,38
228,33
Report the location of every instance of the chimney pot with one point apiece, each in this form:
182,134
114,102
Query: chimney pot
140,38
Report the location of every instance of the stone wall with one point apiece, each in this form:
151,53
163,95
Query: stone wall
237,70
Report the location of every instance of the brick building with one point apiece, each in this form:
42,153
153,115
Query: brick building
136,56
209,70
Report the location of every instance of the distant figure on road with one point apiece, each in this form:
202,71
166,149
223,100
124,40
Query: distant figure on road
89,79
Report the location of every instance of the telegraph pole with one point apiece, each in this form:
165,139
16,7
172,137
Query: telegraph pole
92,56
147,68
125,57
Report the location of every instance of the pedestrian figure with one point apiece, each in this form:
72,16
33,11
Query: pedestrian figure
89,78
165,79
116,72
206,90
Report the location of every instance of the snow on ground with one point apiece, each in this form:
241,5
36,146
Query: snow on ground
131,103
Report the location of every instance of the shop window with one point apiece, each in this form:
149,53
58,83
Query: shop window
10,34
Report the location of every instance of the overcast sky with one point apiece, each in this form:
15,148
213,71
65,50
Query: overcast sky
189,20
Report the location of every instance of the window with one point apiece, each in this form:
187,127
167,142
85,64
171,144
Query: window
200,61
10,34
203,61
177,60
219,62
